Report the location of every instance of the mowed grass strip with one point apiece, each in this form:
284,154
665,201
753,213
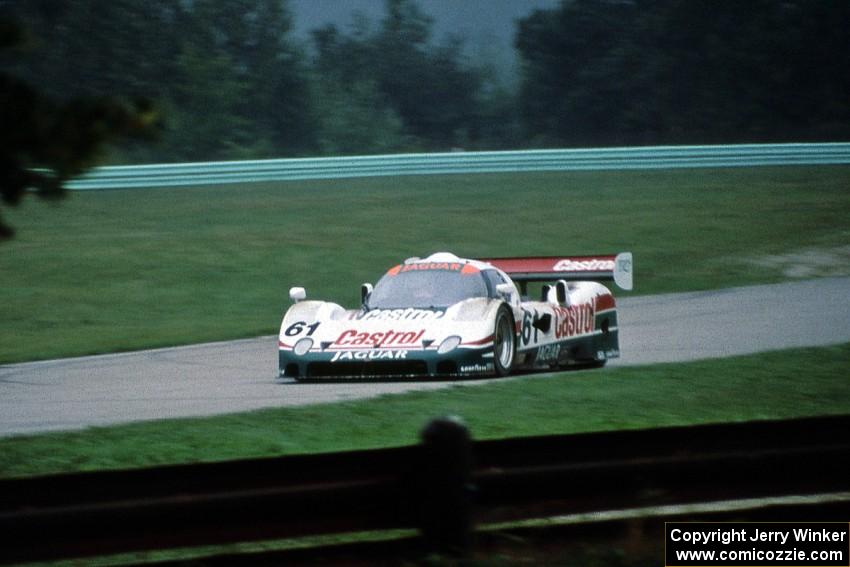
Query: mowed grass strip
123,270
776,385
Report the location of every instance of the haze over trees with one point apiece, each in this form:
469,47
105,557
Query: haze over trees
231,81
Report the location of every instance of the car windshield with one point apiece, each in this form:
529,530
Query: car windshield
426,286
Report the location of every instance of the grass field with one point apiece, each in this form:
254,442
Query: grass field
122,270
774,385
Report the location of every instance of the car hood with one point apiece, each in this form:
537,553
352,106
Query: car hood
389,328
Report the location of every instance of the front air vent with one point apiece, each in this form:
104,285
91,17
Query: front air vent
368,369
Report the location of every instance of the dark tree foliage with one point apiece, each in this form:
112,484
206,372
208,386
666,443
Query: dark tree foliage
228,79
606,72
261,85
45,141
231,82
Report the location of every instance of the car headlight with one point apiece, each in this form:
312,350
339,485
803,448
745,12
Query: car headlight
303,346
449,344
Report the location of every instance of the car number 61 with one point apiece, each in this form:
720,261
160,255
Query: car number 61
298,327
529,329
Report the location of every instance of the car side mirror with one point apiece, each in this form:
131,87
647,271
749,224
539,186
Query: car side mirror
297,294
506,290
365,292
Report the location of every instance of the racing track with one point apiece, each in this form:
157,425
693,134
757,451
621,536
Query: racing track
240,375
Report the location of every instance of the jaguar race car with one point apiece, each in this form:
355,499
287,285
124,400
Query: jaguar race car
444,316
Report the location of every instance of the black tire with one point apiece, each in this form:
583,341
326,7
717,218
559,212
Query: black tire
504,342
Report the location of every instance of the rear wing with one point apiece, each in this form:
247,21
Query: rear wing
616,268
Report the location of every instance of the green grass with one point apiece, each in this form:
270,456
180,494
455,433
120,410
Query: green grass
124,270
775,385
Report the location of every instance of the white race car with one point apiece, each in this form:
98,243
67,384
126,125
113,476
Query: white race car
444,316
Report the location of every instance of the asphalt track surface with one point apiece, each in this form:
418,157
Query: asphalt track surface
218,378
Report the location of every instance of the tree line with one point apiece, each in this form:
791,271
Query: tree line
229,80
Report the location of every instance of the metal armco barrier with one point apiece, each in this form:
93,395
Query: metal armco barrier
666,157
88,514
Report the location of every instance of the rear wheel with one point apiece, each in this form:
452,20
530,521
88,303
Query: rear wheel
504,342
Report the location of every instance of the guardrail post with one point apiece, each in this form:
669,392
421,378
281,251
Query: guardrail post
445,492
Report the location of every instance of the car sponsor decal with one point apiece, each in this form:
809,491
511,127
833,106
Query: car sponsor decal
575,319
409,314
584,265
463,268
476,368
369,355
548,353
380,339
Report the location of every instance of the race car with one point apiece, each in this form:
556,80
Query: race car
445,316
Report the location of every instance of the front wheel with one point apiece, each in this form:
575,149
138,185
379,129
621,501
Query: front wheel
504,342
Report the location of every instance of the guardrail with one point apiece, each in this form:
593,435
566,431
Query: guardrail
425,487
186,174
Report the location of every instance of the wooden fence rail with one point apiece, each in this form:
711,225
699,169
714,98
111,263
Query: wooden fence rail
444,487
